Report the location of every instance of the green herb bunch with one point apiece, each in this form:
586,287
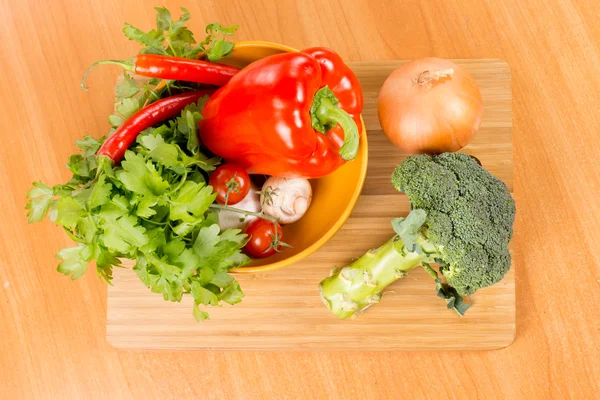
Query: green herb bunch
155,207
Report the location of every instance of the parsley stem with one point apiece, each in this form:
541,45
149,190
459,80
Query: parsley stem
154,222
180,184
82,188
243,212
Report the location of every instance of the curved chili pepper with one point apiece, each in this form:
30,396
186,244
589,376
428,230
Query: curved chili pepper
174,68
293,114
115,146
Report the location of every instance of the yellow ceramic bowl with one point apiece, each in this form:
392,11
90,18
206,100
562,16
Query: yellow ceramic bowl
334,196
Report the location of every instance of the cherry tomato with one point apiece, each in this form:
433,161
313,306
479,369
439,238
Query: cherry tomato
265,238
231,184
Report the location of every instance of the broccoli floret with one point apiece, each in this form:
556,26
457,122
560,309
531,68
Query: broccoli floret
427,184
481,215
465,223
438,228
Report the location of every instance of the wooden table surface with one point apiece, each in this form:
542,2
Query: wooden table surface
52,330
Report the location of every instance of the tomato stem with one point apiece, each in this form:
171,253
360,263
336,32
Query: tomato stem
243,212
232,186
268,194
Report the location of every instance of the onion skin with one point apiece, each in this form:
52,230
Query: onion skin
424,115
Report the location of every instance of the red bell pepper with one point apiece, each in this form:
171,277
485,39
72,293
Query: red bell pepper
293,114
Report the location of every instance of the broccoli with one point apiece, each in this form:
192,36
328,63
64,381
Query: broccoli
461,218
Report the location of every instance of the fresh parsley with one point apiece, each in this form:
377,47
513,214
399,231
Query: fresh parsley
170,37
154,208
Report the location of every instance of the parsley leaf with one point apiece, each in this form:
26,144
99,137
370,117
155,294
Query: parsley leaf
163,153
191,202
128,107
74,260
231,294
100,194
203,295
141,176
152,39
69,212
217,44
127,88
144,208
104,264
163,18
199,315
123,234
88,145
174,38
40,201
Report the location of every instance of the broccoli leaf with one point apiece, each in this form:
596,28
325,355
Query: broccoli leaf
453,299
408,228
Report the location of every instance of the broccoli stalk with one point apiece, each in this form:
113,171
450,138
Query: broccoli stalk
356,287
461,218
353,288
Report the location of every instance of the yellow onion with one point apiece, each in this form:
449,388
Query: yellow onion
430,105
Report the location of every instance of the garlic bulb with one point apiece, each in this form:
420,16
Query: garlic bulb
232,220
287,199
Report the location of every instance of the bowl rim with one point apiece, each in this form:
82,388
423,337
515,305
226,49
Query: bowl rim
364,149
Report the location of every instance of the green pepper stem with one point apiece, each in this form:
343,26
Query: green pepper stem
326,114
127,65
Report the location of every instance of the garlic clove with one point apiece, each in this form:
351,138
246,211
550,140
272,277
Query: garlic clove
232,220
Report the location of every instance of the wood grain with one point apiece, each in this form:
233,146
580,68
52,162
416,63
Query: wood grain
282,310
53,330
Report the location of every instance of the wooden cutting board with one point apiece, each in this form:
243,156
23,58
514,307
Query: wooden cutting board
282,309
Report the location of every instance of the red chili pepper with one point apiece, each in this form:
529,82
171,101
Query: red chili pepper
175,68
293,114
115,146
